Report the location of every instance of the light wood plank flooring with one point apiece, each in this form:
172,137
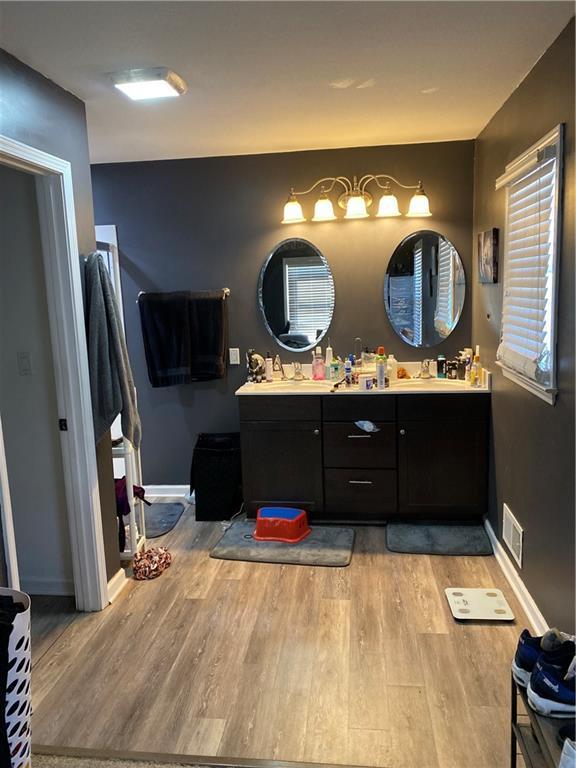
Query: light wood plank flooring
361,665
50,616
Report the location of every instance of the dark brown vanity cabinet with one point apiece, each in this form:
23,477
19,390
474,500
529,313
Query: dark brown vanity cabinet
281,440
427,458
442,456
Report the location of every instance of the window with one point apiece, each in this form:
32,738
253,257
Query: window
444,313
527,346
417,289
309,296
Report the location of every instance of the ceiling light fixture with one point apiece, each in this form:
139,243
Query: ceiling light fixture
355,199
150,83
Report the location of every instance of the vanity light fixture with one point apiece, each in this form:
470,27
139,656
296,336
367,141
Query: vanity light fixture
149,83
355,199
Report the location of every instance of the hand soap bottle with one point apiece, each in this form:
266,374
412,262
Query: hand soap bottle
392,368
318,367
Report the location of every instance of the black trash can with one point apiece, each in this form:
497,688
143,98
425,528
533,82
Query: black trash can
216,475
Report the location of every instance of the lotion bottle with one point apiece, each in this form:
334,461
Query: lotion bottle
318,367
392,368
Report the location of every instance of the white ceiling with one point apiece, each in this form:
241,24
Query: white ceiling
279,76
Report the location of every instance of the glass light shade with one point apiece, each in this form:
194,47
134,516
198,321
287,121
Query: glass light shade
356,207
388,206
419,205
323,210
292,212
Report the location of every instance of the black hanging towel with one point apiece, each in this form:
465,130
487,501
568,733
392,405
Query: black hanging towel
185,336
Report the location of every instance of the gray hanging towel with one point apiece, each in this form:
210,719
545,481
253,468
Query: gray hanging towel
111,381
185,336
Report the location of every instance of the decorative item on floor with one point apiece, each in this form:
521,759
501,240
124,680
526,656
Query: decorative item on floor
488,256
431,539
151,563
161,517
15,675
484,604
328,546
281,524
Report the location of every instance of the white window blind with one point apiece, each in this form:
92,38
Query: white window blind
444,312
417,288
529,303
309,291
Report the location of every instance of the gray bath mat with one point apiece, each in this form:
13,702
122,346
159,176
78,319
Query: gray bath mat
324,546
424,539
161,517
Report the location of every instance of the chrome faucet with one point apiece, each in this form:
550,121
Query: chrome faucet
425,370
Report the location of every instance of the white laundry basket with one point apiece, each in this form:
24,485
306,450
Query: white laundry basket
18,698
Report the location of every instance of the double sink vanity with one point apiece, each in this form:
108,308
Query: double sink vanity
426,458
417,450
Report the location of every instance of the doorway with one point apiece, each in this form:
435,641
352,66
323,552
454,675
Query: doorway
72,538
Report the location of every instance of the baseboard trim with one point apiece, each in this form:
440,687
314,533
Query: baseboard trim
180,491
116,584
538,622
55,587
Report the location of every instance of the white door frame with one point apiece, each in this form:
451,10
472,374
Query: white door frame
67,331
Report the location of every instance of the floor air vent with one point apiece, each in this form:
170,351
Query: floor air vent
513,534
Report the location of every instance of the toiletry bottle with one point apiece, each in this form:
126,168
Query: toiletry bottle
479,369
381,369
335,369
348,371
269,367
318,367
328,361
468,368
441,366
392,368
476,373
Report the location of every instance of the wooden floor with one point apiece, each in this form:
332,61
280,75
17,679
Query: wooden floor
50,616
361,665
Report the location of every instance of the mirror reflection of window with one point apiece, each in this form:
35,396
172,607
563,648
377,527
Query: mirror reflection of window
296,294
424,289
309,296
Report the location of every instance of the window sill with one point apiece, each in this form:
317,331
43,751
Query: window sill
548,395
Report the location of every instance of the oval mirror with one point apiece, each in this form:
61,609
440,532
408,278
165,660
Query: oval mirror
296,294
424,289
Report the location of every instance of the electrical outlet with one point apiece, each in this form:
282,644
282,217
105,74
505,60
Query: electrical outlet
513,534
234,356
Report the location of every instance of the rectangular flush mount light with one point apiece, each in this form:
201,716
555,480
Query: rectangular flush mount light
149,83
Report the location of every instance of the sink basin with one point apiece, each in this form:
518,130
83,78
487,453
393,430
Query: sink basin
290,385
430,384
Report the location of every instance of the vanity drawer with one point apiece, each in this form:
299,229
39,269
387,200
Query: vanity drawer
363,494
346,445
444,407
371,406
279,407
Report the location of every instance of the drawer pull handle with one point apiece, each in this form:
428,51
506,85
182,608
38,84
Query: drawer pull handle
360,482
402,431
359,437
316,432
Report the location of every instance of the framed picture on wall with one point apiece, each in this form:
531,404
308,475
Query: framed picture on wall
488,256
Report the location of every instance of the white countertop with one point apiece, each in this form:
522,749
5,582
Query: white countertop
401,387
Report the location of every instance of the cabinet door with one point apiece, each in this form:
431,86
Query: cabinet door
442,469
282,465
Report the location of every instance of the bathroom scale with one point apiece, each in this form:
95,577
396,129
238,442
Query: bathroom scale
474,604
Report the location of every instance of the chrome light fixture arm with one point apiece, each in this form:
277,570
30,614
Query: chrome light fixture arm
331,180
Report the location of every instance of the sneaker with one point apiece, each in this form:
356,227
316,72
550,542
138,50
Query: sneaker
550,693
568,756
555,648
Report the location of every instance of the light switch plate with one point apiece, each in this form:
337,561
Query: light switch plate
234,356
24,363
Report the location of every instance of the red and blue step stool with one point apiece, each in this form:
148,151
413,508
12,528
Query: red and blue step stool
281,524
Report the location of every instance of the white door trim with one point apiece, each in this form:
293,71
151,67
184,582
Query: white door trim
67,331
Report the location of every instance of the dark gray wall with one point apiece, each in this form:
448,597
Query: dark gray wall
38,112
533,449
210,223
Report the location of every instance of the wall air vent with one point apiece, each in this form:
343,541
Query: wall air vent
513,534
